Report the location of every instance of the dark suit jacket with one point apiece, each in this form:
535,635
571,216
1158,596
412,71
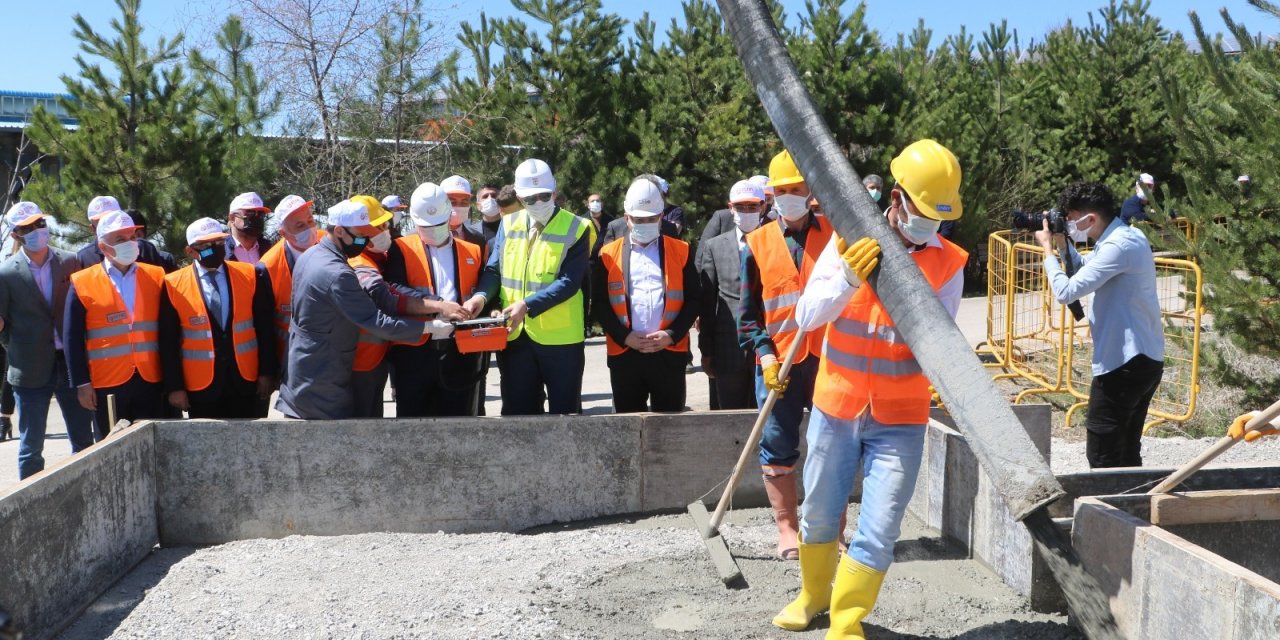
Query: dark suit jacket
224,368
264,245
618,229
470,234
603,310
30,322
148,253
720,275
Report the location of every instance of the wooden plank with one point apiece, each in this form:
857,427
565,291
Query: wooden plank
1208,507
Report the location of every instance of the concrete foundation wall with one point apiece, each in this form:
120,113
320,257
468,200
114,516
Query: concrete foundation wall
1163,586
68,534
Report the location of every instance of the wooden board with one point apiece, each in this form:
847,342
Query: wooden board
1207,507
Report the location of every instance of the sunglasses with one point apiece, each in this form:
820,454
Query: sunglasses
28,228
541,197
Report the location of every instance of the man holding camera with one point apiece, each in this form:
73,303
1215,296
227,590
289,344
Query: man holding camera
1128,338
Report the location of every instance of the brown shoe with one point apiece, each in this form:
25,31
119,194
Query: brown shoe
782,497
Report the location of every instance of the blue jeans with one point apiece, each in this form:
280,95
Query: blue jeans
33,416
780,442
887,456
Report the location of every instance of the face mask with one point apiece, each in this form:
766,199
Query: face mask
746,222
791,207
381,242
253,225
396,218
305,239
1140,193
434,236
356,247
595,206
875,194
918,229
1075,232
489,208
459,214
126,252
212,257
646,232
36,240
542,211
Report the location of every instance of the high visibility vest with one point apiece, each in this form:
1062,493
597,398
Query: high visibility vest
276,262
417,267
370,349
527,270
675,253
866,364
781,283
198,351
118,345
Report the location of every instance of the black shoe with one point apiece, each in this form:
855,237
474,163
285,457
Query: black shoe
6,428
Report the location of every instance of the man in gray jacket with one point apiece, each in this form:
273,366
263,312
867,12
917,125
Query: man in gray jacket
329,309
33,294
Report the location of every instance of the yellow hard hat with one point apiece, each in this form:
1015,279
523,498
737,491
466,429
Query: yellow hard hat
783,170
930,174
377,215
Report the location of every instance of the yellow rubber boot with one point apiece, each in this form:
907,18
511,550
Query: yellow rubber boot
817,569
852,598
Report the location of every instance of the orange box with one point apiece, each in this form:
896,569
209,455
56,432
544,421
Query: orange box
488,334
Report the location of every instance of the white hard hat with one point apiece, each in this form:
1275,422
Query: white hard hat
429,205
746,191
289,205
1147,179
113,222
248,200
101,206
23,213
204,230
533,176
392,203
349,214
763,181
644,199
454,185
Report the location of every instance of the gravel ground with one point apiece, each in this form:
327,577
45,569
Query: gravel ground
1068,455
649,578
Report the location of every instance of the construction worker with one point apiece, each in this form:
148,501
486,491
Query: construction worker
247,220
330,308
112,325
432,377
216,332
730,367
459,191
535,272
645,293
872,401
298,232
776,264
90,255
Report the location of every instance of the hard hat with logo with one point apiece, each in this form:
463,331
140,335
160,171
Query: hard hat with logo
763,181
745,191
377,215
350,214
783,170
101,206
429,205
644,199
930,174
456,185
533,177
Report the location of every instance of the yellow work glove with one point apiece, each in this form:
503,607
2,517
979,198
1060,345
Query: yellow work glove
935,398
860,259
1237,428
772,369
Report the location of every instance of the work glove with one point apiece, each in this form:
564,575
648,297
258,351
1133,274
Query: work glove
1237,428
860,259
439,329
772,369
936,399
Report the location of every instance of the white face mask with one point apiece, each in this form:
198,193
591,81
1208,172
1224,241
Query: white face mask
542,211
126,252
381,242
459,215
791,207
1075,232
746,222
918,229
435,236
489,208
303,241
646,232
595,206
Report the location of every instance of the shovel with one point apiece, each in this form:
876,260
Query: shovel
1177,478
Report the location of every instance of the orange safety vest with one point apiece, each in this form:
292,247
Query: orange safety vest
370,349
675,253
116,344
865,363
277,264
781,283
417,268
198,351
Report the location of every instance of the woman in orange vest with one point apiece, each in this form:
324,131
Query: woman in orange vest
871,400
646,293
216,333
112,325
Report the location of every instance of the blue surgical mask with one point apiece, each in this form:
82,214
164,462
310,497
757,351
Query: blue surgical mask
918,229
644,233
36,239
875,194
305,239
126,252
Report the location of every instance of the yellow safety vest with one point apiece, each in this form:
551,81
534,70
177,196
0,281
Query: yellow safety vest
527,270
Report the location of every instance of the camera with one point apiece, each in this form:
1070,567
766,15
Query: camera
1035,221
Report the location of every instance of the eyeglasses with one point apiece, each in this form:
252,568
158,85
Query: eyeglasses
28,228
746,208
541,197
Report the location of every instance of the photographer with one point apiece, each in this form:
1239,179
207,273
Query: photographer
1128,339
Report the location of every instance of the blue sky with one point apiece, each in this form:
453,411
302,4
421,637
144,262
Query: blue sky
41,34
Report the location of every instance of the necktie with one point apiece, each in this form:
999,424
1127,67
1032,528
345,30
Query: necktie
214,301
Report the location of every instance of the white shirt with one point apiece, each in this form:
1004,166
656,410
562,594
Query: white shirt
828,292
646,288
245,254
125,283
223,293
43,275
444,271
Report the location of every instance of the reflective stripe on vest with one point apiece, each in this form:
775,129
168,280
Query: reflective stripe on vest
198,351
418,271
527,270
865,364
782,282
115,346
675,254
